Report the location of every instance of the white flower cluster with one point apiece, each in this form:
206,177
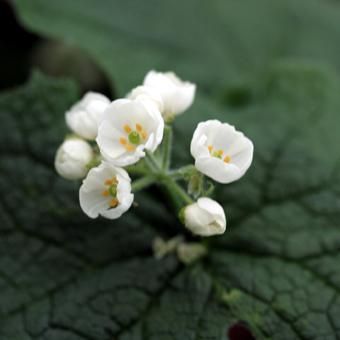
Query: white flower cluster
108,136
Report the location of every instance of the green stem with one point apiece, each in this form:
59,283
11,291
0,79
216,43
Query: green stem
137,170
142,183
181,172
167,145
152,162
178,195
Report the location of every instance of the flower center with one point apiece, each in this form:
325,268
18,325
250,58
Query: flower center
134,137
111,191
219,154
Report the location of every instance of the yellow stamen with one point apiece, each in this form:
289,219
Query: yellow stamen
144,135
220,152
127,128
139,128
210,148
123,141
105,193
111,181
113,203
227,159
130,147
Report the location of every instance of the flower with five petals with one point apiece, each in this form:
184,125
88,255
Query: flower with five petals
106,191
129,127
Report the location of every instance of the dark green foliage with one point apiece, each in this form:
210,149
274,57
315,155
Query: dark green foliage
66,277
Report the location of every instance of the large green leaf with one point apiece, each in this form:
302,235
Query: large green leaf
64,276
217,43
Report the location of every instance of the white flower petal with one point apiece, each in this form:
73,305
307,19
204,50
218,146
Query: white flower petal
94,203
84,117
218,170
147,93
121,208
203,136
212,207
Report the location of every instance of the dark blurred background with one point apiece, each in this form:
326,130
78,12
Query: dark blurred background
22,51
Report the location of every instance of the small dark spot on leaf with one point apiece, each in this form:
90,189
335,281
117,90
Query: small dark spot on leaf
239,331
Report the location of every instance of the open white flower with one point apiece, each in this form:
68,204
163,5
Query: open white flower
147,93
106,191
84,117
205,217
177,95
127,129
220,151
72,158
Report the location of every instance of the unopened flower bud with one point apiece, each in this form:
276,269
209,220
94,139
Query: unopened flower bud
72,158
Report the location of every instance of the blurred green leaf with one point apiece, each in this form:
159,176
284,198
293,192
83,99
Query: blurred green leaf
216,43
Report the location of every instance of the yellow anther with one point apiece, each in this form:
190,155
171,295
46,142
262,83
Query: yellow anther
127,128
130,147
122,140
105,193
220,152
227,159
113,203
144,135
111,181
139,128
210,148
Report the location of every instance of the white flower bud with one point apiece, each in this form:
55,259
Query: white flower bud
177,95
205,217
72,158
85,116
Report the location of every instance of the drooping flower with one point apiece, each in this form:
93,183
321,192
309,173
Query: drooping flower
72,158
84,117
205,217
106,191
220,151
177,95
129,127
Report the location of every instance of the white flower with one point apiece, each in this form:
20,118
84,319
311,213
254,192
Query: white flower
147,93
205,217
72,158
220,151
106,191
177,95
127,129
84,117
